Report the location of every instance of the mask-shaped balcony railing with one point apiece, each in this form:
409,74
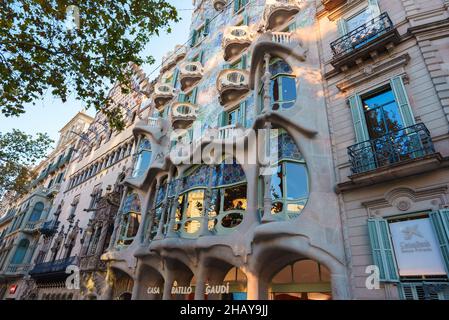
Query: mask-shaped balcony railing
173,57
402,145
278,12
183,114
163,93
190,73
232,84
219,5
362,36
235,40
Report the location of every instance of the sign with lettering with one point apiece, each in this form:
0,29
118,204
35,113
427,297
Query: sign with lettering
416,248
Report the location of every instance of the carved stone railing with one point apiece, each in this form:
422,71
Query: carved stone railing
163,93
278,12
183,114
403,145
235,40
190,73
232,84
173,57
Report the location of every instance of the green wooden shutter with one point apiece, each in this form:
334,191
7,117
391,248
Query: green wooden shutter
222,119
175,77
358,118
193,38
242,119
201,57
206,30
402,100
373,6
342,27
194,95
440,222
236,5
382,249
182,97
246,19
243,62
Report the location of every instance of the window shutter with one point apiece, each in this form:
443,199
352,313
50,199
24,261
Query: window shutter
242,119
243,62
402,100
222,119
382,249
373,7
236,5
175,77
342,27
182,97
194,95
201,57
440,222
358,118
246,19
193,38
206,27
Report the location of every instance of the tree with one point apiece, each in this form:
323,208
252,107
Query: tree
18,153
79,47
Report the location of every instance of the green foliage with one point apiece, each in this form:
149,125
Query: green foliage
44,49
18,153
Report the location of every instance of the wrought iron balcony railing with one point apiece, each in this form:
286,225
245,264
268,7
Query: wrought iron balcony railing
362,35
54,266
49,228
405,144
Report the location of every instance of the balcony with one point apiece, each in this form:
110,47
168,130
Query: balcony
18,269
163,93
190,74
398,154
173,57
183,115
332,4
368,40
232,84
33,226
278,12
235,40
53,268
49,228
219,5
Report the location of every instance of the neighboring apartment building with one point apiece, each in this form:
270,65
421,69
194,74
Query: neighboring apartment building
350,182
31,210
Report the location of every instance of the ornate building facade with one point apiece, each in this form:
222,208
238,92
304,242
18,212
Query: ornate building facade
291,150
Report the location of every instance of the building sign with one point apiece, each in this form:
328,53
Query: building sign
416,248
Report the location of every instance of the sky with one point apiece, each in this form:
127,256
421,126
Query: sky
50,114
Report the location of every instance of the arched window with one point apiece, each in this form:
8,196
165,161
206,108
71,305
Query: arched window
290,183
143,158
130,219
228,199
37,212
282,86
21,251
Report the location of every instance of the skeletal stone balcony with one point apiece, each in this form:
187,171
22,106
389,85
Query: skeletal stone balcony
368,40
163,93
190,74
235,40
332,4
173,57
219,5
278,12
183,114
232,84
